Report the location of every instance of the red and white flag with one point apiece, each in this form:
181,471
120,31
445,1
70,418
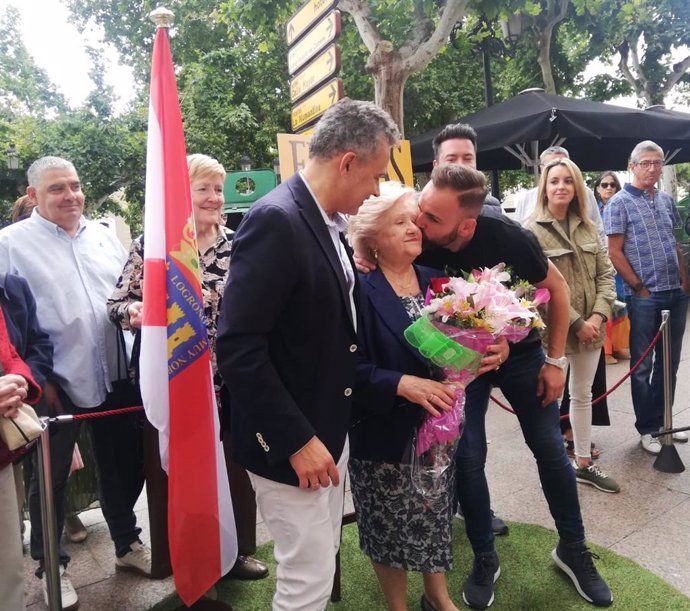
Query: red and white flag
176,378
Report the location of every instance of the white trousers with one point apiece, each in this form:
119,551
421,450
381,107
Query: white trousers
11,561
305,527
583,367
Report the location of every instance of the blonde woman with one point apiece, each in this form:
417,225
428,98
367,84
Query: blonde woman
206,178
570,240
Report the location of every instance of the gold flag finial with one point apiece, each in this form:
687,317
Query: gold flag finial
162,17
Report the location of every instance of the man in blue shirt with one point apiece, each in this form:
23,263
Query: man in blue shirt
639,221
72,266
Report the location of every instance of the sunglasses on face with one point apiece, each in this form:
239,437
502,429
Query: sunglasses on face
607,185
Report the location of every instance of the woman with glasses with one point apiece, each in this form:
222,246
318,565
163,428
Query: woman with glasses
570,240
617,345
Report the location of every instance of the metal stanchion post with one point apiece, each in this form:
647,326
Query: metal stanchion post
50,543
668,460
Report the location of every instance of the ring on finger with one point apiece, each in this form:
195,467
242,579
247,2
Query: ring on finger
431,398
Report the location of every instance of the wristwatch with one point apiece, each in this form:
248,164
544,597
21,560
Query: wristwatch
561,362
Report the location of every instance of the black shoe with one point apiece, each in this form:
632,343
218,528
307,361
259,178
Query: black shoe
247,569
478,590
578,564
425,604
497,525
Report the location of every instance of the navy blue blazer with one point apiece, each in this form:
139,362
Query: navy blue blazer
29,340
286,342
384,423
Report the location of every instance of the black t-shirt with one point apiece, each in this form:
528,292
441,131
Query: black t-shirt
496,240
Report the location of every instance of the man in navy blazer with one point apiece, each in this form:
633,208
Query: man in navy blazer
287,345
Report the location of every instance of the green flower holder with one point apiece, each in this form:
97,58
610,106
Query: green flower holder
438,348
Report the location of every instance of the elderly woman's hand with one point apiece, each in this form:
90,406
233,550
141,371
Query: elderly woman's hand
431,395
135,311
13,391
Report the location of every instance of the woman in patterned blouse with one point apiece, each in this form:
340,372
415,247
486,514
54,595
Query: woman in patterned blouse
206,178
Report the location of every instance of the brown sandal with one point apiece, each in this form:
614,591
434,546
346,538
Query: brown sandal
570,449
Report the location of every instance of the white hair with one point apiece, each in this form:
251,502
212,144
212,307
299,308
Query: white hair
368,222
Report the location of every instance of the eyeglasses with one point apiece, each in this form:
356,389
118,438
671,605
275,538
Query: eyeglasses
607,185
650,163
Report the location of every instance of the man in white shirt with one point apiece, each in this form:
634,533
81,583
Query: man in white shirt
72,265
526,201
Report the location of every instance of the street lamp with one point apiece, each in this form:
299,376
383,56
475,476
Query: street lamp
245,163
12,157
490,43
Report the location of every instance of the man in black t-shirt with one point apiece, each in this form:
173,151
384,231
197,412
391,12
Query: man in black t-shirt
461,240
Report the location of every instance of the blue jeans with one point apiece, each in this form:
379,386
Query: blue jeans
517,379
647,382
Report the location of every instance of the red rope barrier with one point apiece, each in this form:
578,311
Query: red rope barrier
86,416
610,390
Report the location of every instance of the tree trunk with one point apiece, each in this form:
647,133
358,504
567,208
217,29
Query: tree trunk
544,59
386,66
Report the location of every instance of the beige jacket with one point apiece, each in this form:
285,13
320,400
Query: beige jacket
586,267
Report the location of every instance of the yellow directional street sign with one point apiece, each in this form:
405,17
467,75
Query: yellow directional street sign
307,14
317,103
316,72
323,33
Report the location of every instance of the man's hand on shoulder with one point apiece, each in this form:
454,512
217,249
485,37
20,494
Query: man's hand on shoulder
363,264
315,466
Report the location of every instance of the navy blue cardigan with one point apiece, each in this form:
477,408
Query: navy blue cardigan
29,340
383,423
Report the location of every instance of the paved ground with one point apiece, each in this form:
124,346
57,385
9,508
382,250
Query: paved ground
649,521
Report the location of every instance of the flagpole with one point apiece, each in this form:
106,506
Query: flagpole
176,370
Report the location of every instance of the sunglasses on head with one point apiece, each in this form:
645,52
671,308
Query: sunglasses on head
607,185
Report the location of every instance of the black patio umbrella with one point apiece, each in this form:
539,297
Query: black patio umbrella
598,136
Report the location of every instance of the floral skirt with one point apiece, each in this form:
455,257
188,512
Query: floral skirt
399,527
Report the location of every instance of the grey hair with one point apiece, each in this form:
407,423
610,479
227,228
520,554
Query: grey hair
367,223
646,146
352,125
554,150
33,174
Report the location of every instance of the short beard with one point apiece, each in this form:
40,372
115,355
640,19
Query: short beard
442,242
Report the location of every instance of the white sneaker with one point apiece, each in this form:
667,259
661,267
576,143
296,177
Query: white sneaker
650,444
70,600
680,436
137,560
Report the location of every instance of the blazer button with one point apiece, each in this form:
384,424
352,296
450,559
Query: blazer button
262,443
347,392
353,348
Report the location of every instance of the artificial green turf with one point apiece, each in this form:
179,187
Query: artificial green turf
529,579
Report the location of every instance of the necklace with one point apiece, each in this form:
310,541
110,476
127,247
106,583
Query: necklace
402,284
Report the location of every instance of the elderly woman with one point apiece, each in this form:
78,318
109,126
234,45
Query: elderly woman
400,530
206,178
570,240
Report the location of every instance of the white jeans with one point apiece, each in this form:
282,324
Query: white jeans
583,367
305,526
11,561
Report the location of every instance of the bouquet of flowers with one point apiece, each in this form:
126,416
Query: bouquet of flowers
462,316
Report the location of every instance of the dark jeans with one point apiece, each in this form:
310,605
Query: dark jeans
647,382
517,379
118,449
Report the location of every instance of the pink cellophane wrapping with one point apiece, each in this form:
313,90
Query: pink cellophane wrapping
446,428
